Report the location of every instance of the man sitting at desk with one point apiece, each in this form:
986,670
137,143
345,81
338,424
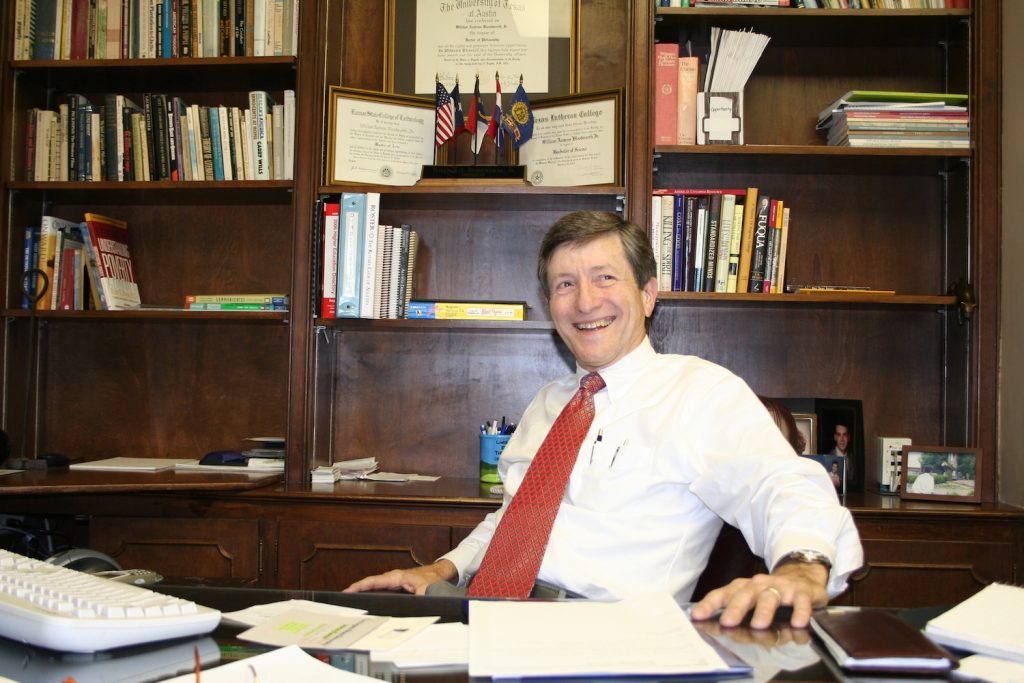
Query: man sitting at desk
658,450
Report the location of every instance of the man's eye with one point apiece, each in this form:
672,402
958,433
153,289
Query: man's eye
564,284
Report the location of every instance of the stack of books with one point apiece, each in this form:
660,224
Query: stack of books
719,240
866,118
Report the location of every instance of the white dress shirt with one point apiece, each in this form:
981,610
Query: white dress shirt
677,445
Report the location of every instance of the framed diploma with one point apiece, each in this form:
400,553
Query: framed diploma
460,40
375,138
577,140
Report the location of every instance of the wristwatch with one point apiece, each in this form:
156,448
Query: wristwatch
805,556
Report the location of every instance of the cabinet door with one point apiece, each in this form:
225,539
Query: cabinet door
209,548
331,555
919,564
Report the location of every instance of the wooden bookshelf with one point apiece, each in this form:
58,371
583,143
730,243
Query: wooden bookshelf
412,393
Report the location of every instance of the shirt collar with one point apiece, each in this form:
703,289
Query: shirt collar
621,374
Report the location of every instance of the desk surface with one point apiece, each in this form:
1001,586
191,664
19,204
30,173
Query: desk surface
777,654
65,481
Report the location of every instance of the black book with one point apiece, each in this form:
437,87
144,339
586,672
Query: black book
759,254
711,244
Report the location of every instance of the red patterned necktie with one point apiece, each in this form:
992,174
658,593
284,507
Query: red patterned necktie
510,565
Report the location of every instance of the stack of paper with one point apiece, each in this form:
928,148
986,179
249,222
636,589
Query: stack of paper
988,622
720,107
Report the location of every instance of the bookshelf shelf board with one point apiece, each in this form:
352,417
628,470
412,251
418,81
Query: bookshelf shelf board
148,64
811,150
478,189
168,314
356,325
156,191
803,12
844,298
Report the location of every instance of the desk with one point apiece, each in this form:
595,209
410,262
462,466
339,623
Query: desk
777,654
324,537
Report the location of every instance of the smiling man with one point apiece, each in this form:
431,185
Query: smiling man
671,447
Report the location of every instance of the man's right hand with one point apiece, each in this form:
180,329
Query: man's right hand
413,580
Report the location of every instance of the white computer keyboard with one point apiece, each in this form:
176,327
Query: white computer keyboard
62,609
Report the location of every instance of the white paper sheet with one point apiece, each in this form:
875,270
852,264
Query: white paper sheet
257,614
648,635
436,645
285,665
324,631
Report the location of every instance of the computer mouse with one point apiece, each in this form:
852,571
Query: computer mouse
223,458
55,460
136,577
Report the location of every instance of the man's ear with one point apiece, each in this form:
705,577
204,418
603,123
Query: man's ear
649,295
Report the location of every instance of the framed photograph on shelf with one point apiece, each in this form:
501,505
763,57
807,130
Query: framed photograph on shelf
577,140
429,38
805,424
841,432
378,138
941,473
835,465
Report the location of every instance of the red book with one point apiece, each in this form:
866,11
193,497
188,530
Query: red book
329,287
80,29
108,238
666,101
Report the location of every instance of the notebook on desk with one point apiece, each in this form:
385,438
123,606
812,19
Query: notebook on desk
122,464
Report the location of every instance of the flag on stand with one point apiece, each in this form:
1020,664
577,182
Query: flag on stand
494,127
518,118
475,109
460,120
444,128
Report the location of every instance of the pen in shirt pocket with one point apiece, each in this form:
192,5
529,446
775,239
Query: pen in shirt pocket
616,453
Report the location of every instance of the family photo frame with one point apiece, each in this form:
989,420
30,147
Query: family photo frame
941,473
833,428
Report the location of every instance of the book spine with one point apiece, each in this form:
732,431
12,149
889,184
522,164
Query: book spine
329,281
686,114
711,251
269,299
30,259
350,251
458,310
747,240
735,243
780,284
666,100
724,241
369,276
259,106
760,242
701,231
774,213
678,241
185,29
690,230
667,229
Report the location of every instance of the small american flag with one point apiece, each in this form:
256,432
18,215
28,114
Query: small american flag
445,128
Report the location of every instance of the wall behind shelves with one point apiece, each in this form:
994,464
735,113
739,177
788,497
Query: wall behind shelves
1011,392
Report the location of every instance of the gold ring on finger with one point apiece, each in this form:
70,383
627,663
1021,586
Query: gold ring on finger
775,592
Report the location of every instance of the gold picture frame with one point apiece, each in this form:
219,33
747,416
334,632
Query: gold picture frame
577,139
378,138
563,53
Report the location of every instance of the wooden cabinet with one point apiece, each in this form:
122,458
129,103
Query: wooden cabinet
182,547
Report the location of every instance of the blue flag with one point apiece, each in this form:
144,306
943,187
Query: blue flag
460,119
517,120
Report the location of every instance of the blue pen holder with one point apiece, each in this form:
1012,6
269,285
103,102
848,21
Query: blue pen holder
491,446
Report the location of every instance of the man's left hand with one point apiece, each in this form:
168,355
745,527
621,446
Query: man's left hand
797,585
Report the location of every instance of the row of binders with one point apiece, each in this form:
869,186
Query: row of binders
150,29
164,138
719,240
368,266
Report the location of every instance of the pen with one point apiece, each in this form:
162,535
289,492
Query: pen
199,665
600,436
255,676
616,453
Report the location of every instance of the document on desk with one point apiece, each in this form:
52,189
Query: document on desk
325,631
284,664
641,636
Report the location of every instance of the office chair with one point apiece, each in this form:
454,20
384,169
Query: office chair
731,558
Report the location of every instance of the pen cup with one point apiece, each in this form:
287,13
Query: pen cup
491,446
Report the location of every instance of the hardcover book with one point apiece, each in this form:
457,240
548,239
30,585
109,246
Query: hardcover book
109,243
666,100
